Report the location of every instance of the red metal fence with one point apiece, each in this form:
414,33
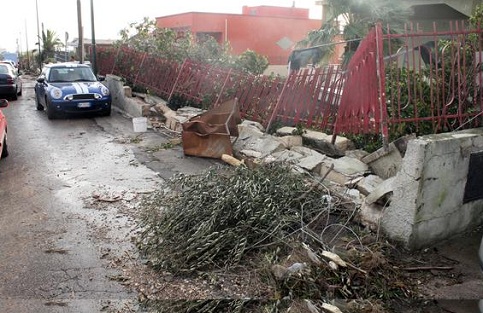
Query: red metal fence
309,97
433,79
361,107
414,82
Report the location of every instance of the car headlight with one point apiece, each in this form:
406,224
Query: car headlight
56,93
104,91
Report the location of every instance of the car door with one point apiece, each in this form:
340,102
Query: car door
3,122
18,81
40,88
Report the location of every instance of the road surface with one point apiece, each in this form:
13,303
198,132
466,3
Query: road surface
65,189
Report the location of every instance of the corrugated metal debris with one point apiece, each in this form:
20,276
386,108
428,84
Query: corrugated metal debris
210,134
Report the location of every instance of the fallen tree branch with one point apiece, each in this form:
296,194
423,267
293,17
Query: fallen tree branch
428,268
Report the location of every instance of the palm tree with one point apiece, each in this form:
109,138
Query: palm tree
50,42
353,19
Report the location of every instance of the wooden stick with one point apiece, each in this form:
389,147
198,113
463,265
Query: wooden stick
428,268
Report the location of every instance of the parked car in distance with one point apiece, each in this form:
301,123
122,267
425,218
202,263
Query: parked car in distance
3,130
10,81
71,88
12,63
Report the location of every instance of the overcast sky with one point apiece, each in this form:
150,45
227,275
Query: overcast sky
19,28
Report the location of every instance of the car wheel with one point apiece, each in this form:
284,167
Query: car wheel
50,112
37,103
15,95
4,148
20,92
106,112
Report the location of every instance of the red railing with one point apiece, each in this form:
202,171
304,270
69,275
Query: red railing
309,97
395,84
362,103
433,79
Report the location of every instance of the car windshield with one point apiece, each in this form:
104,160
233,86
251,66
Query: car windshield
71,74
3,69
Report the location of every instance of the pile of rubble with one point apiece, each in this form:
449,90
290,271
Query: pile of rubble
363,178
360,177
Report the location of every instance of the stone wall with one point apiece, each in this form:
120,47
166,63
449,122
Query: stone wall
428,204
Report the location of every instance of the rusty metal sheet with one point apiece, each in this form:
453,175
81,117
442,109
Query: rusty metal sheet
210,134
209,146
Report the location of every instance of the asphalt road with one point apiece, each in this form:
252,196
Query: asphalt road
64,188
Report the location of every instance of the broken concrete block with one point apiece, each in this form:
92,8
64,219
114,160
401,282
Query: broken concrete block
247,131
252,140
382,193
312,163
253,124
162,108
127,91
342,170
323,143
368,184
384,163
387,162
146,110
353,182
287,156
251,153
354,195
174,122
370,215
286,131
356,154
306,151
291,141
402,143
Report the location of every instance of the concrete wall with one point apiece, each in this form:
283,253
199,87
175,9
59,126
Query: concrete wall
427,204
119,100
465,7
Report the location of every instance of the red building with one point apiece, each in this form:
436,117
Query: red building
268,30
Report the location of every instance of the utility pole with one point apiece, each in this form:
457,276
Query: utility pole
81,35
93,43
38,35
65,47
27,46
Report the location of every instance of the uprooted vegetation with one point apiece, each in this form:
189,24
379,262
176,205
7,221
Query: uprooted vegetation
289,230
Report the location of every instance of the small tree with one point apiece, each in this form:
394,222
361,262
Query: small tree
50,42
207,50
353,19
169,44
252,62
